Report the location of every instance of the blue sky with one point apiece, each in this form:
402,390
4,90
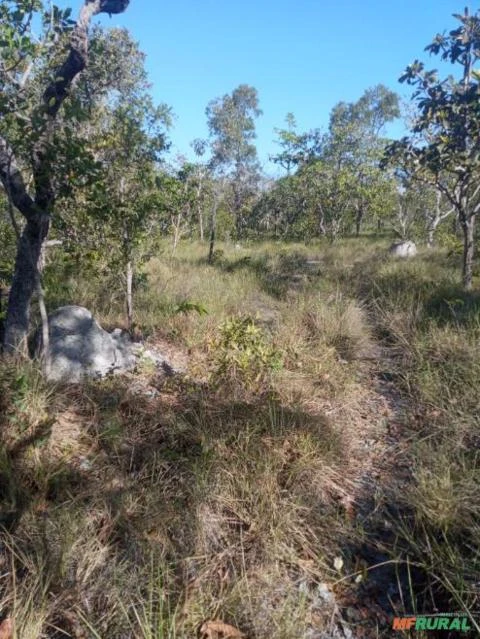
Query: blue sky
303,56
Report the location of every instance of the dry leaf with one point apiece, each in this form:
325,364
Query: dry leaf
6,628
219,630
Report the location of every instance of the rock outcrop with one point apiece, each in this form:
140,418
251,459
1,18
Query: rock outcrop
79,347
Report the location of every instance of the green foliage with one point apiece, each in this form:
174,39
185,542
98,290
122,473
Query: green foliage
8,244
451,242
231,122
243,355
297,148
187,307
442,149
338,182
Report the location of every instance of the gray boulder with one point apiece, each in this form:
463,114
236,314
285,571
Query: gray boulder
79,347
403,249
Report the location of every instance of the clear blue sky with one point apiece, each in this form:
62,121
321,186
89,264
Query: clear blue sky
302,56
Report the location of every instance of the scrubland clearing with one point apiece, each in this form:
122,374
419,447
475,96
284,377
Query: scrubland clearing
312,472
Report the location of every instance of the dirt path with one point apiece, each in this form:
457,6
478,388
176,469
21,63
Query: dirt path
378,585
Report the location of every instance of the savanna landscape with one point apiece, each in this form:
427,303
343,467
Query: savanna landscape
289,445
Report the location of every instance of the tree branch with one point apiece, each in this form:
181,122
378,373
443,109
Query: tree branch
14,185
76,61
58,89
53,97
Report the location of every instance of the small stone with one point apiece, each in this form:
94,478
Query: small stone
325,593
85,464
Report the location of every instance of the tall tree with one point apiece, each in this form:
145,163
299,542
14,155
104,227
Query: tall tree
231,121
444,148
296,148
18,53
355,143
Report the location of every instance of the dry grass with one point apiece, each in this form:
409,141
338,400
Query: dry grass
127,514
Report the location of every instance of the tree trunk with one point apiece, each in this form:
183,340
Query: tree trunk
129,295
25,281
237,208
200,220
468,227
358,220
47,364
176,231
213,229
3,296
430,236
200,211
322,231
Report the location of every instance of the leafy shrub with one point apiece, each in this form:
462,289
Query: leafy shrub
243,354
446,239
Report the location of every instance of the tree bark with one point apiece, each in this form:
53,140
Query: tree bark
430,236
176,223
129,295
24,284
200,210
468,227
45,328
200,219
359,214
213,229
322,230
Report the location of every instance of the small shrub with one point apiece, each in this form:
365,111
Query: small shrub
452,243
242,354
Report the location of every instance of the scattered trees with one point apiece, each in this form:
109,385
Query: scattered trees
85,150
338,180
124,197
297,148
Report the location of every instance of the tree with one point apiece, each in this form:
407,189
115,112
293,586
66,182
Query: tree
201,178
125,195
354,142
438,211
328,192
176,199
297,148
444,148
280,211
338,180
409,210
18,53
231,121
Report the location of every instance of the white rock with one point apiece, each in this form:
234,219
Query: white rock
403,249
79,347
